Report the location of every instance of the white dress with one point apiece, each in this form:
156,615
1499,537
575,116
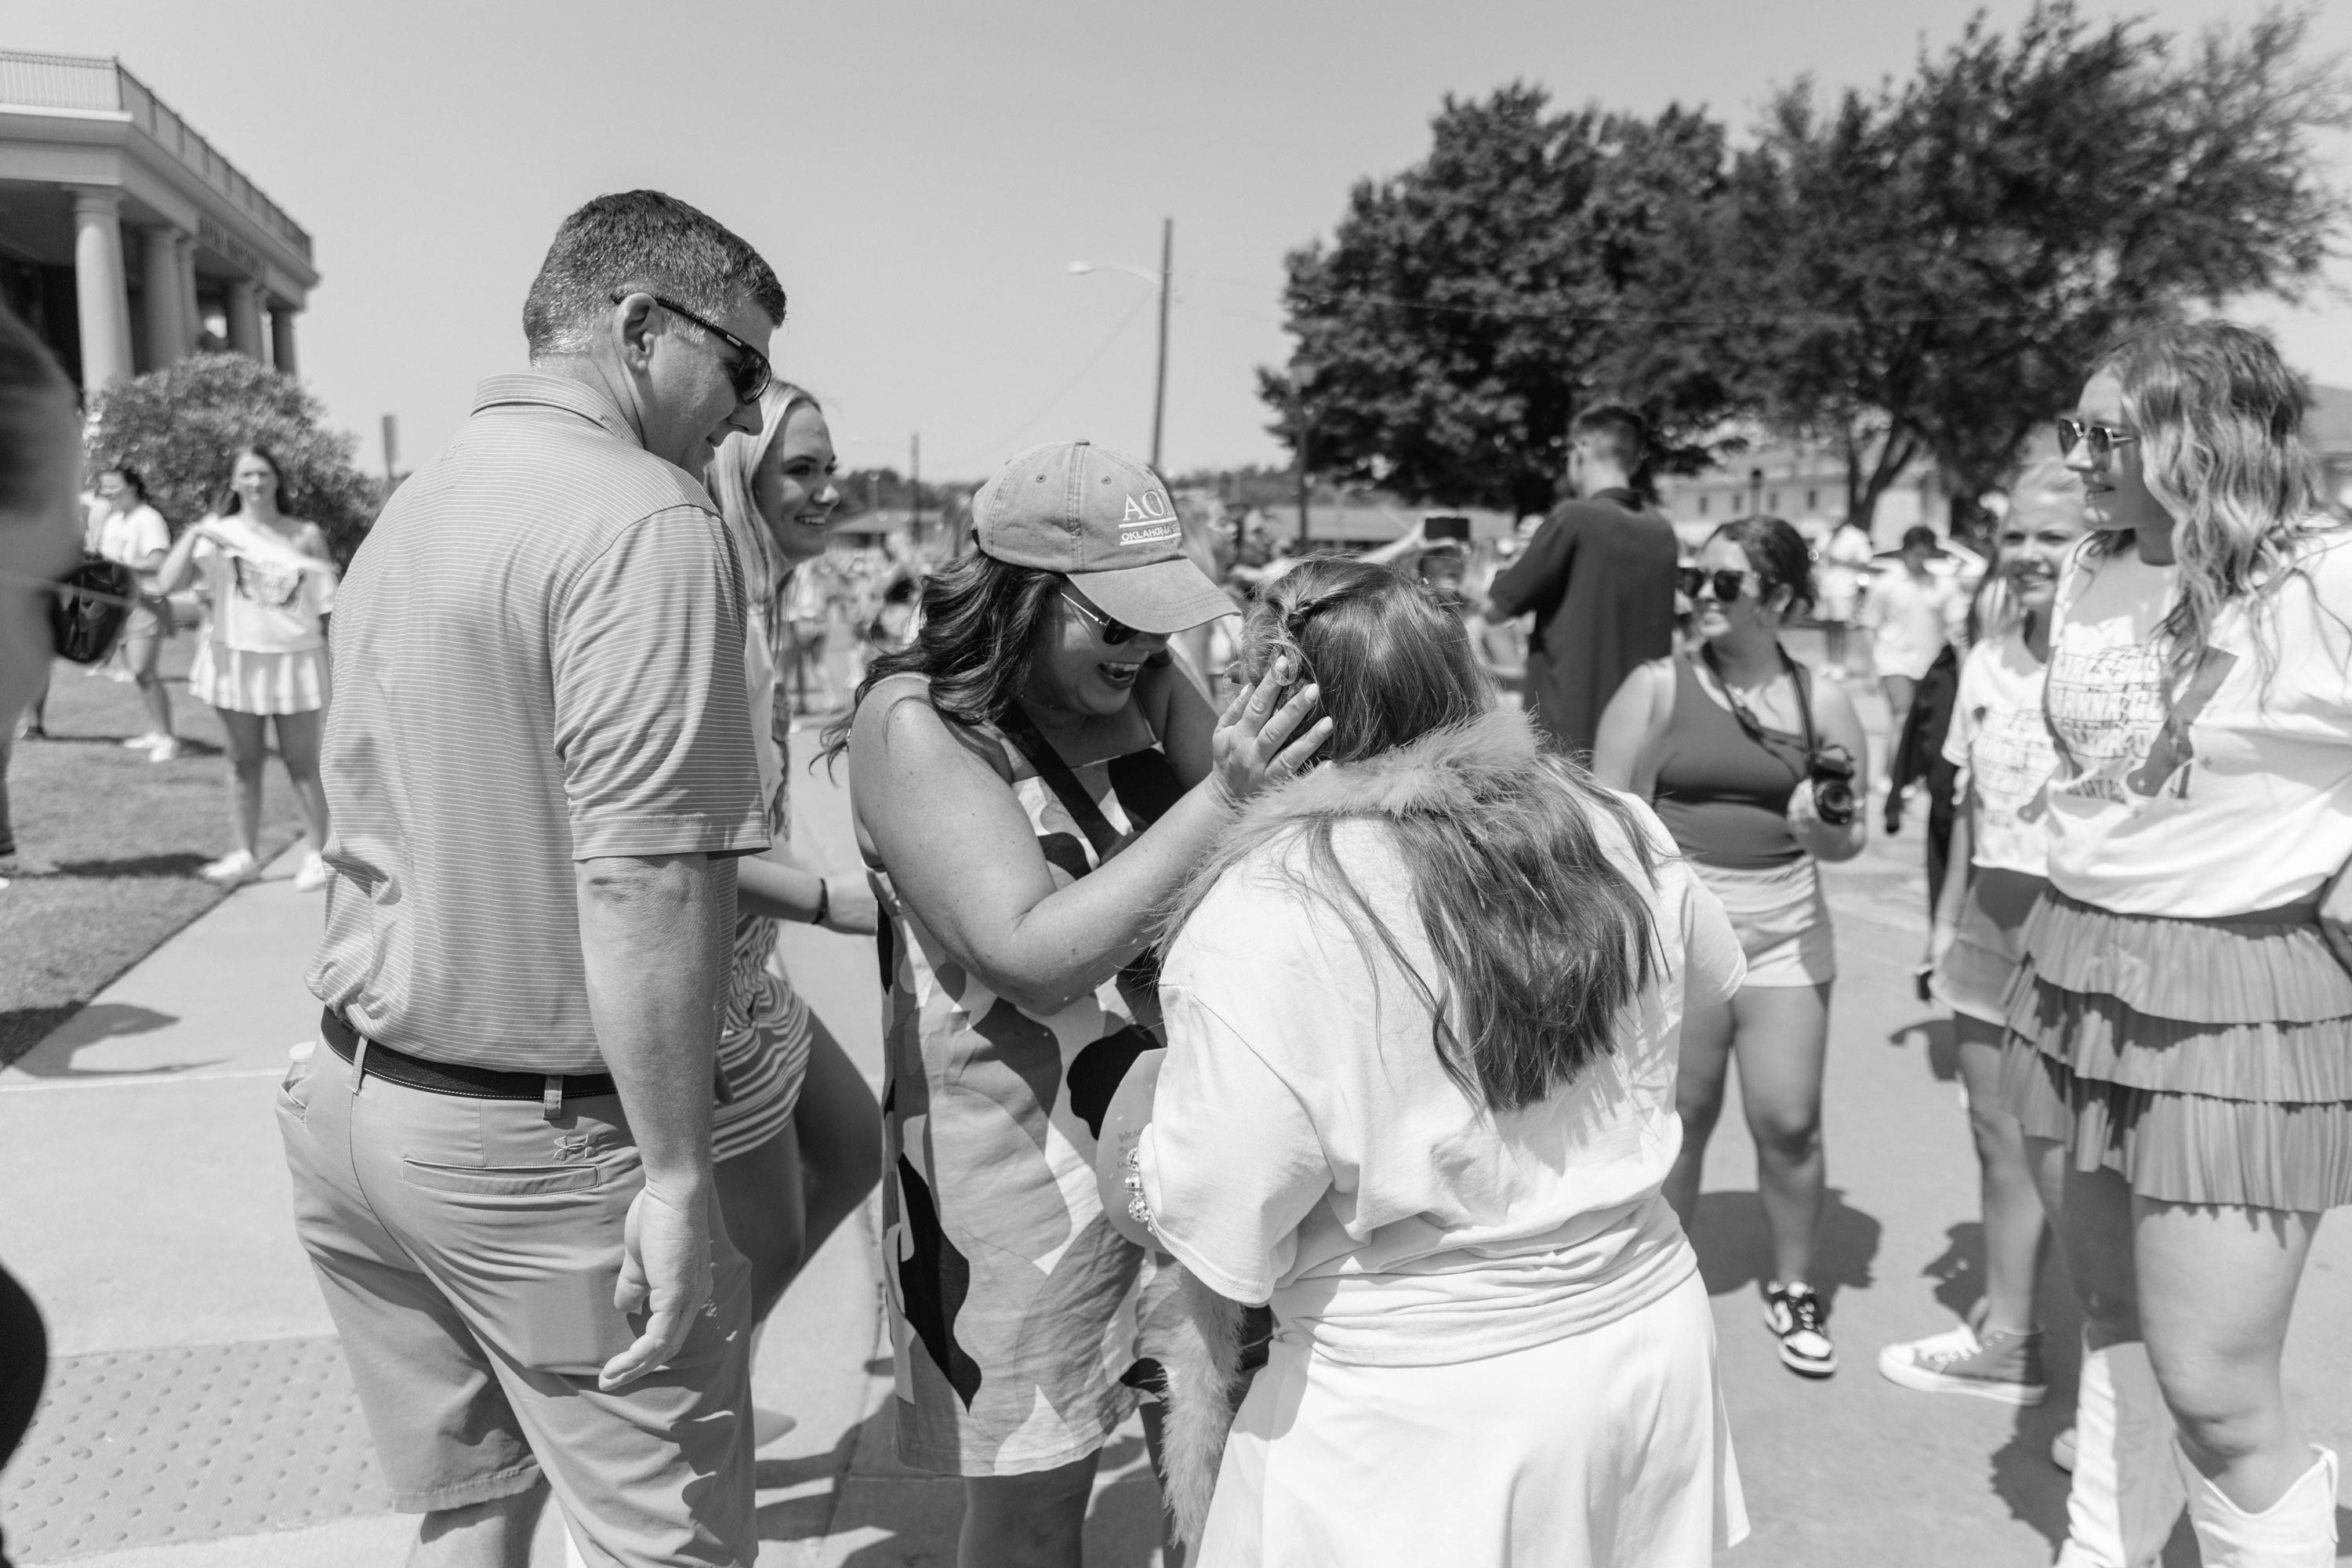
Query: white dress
1494,1347
264,645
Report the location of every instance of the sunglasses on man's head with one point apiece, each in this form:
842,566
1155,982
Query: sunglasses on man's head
749,373
2098,439
1114,633
1728,583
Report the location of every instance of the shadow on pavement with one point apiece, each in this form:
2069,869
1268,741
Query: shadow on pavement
177,865
1735,1249
98,1023
1943,1043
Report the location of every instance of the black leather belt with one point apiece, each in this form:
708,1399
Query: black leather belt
453,1077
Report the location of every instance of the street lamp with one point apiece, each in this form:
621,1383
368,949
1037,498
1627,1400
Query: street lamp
1160,375
1303,370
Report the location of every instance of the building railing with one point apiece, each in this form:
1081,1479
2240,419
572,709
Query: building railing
82,82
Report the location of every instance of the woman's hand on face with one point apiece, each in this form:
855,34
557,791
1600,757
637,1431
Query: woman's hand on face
1248,746
2335,916
850,909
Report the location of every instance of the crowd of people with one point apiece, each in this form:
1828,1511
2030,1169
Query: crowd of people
1320,1057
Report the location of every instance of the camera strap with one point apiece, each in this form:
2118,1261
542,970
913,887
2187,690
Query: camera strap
1748,720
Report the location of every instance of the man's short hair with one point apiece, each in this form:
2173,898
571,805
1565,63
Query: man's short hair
1617,430
640,240
1919,536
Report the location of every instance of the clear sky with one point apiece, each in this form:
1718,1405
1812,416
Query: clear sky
922,175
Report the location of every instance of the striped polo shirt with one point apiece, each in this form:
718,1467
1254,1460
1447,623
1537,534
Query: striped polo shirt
539,659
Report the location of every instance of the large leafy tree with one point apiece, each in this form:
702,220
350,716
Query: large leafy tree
1465,309
1927,272
180,426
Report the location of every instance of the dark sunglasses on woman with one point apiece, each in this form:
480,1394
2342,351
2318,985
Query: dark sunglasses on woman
1113,632
2099,440
1728,583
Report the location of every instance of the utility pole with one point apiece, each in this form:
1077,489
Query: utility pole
391,451
1160,383
915,483
1302,376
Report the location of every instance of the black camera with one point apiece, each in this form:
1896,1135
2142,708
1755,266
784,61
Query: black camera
1830,772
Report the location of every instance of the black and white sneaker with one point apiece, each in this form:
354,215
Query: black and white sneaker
1801,1318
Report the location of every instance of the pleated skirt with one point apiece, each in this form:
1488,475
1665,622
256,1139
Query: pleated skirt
1605,1449
244,682
2204,1061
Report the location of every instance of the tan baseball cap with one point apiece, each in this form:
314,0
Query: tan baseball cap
1104,520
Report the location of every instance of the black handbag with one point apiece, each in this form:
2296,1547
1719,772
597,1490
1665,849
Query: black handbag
88,606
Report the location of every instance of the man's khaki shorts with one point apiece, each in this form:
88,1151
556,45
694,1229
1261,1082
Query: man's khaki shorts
468,1250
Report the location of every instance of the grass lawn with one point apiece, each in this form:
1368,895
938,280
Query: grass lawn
108,844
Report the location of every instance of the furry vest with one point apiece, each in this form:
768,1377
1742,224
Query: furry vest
1454,774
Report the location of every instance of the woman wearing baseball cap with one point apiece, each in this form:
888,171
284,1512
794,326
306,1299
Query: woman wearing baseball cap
1031,780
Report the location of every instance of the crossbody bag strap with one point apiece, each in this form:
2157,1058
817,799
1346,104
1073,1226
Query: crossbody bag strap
1748,720
1023,731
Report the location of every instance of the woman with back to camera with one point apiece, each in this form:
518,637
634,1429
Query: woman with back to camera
1418,1093
1997,865
261,657
797,1137
1729,741
135,535
40,534
1031,779
2179,1050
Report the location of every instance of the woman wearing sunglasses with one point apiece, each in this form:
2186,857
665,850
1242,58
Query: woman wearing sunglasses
2179,1047
1738,746
1031,779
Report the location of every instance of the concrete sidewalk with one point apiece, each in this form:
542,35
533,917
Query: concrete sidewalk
199,1417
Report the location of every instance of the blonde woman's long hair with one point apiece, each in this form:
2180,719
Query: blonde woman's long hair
2220,420
729,480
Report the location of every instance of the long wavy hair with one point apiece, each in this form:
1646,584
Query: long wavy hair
1541,939
981,618
2220,420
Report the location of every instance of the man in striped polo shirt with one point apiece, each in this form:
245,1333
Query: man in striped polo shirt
540,765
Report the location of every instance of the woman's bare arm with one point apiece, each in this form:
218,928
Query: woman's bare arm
1625,748
963,855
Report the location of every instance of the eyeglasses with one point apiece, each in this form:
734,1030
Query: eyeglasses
2100,440
750,373
1728,583
1114,633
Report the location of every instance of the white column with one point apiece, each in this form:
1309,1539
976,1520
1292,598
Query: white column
167,332
281,339
192,310
245,320
99,290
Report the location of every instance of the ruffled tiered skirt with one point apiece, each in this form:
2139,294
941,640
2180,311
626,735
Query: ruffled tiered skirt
2204,1061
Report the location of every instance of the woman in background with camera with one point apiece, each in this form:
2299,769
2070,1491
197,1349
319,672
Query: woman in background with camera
1757,769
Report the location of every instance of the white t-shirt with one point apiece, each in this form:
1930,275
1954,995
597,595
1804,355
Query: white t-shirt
130,535
1913,618
1307,1147
2000,743
2231,795
266,597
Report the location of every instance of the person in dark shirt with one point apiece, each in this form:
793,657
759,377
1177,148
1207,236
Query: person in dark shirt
1599,576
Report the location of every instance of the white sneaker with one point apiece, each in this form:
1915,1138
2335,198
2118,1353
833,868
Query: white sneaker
233,869
142,743
313,875
164,750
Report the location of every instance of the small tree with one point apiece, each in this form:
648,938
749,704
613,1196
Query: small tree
180,426
1465,309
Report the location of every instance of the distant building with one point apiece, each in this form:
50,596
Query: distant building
126,239
1804,487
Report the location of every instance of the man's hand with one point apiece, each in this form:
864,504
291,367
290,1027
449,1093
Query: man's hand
666,1274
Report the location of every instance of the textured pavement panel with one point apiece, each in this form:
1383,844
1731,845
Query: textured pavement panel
191,1442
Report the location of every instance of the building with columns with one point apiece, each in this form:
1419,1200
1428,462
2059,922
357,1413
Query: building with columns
126,239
